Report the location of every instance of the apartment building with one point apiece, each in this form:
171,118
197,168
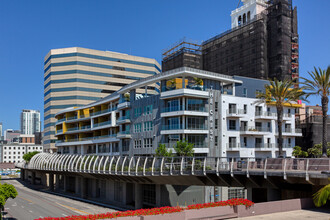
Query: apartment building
30,121
78,76
219,114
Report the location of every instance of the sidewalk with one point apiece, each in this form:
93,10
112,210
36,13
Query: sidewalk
315,214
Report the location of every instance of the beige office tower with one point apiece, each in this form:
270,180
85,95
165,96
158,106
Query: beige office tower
76,76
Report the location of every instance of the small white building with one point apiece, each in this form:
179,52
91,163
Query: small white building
13,153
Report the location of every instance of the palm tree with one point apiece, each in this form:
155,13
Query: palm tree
322,196
320,85
280,93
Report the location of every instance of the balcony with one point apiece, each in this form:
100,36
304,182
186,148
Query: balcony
265,115
124,119
123,105
124,134
101,125
194,110
264,147
87,140
291,132
255,130
59,131
181,129
103,112
233,146
235,113
184,92
199,148
61,120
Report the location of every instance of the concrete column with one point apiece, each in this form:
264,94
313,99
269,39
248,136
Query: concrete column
57,182
22,174
138,196
158,195
65,183
82,149
83,188
110,190
51,182
249,193
33,177
124,193
77,185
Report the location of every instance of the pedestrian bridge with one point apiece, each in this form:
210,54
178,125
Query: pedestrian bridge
186,170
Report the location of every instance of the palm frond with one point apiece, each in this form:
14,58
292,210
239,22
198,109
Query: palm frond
322,196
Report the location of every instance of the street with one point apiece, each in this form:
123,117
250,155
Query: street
33,204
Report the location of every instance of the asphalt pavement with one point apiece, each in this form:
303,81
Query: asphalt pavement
34,204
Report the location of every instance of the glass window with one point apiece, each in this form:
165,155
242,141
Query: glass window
232,125
137,127
148,126
147,142
137,112
148,109
244,92
235,193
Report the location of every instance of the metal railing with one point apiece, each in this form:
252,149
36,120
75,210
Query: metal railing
160,166
102,124
236,111
255,129
265,114
181,127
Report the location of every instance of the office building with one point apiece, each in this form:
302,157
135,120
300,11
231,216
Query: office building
78,76
30,121
262,43
219,114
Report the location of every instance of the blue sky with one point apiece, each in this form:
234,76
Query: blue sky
29,29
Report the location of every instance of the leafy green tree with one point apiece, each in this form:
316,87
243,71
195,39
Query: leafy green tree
162,151
298,153
319,84
322,196
198,81
316,151
27,157
6,191
183,148
280,93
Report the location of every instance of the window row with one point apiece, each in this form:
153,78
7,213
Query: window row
147,111
147,143
147,126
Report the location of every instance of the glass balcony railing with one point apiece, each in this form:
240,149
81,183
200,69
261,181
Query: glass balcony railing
71,118
176,86
104,111
265,114
124,117
231,145
61,120
85,127
197,108
59,131
123,132
102,124
255,129
236,111
87,138
264,145
181,127
73,129
196,145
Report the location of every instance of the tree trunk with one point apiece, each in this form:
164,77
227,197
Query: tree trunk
279,128
325,101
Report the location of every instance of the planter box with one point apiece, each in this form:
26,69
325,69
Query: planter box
169,216
127,218
210,212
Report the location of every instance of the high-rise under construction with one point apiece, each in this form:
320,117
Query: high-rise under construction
262,43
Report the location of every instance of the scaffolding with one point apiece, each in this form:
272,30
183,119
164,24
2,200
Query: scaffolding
184,53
